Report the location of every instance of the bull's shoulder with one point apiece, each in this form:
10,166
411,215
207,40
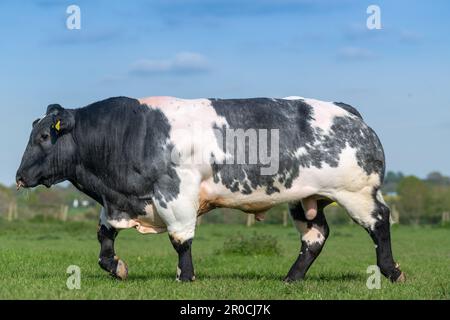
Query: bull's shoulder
168,102
112,102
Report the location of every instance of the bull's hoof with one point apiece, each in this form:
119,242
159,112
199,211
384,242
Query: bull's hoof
294,276
289,279
121,269
184,278
401,278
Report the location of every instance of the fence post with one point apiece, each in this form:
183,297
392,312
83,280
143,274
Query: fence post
250,219
285,218
15,212
445,217
64,212
395,215
199,220
10,212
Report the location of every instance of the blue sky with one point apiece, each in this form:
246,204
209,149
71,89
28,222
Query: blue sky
398,77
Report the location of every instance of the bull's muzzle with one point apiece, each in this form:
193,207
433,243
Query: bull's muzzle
19,183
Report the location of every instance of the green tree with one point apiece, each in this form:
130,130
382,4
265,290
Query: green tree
391,181
436,178
6,197
437,202
412,200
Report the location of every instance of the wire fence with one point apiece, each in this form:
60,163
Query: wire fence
12,210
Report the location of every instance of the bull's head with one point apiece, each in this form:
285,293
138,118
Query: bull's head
51,147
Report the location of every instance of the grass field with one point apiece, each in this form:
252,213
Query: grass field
34,258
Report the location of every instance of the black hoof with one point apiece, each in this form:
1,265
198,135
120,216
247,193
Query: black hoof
121,271
291,279
397,275
116,267
184,277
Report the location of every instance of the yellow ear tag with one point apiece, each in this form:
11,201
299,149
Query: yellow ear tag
58,125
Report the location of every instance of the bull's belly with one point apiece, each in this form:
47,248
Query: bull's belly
326,182
215,195
149,222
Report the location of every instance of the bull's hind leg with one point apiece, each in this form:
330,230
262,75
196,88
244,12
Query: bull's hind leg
314,233
368,209
108,260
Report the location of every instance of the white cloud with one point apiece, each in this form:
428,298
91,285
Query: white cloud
181,63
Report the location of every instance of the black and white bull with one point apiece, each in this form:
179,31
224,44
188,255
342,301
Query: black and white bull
156,164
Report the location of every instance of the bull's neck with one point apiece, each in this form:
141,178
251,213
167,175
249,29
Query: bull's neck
120,153
97,188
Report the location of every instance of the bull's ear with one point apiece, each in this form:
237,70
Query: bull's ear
63,123
54,109
63,119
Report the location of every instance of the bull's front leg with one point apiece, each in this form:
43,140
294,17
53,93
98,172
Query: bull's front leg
185,268
181,233
180,216
108,260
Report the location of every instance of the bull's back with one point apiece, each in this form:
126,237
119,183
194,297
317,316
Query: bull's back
322,146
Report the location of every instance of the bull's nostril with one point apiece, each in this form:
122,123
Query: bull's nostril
19,182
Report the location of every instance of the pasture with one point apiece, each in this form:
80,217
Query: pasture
34,257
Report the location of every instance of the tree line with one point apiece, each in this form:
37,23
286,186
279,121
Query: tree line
419,200
412,200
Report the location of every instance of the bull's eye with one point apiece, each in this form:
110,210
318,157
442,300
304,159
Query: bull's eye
44,137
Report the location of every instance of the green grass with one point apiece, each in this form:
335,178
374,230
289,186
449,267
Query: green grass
34,257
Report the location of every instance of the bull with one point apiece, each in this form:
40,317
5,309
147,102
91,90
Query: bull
156,164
